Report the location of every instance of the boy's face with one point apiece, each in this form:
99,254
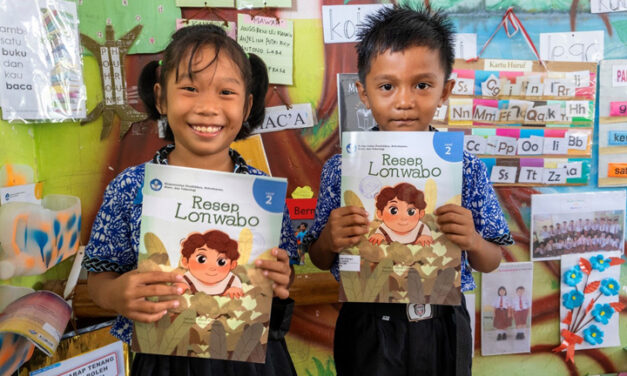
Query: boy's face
208,265
403,89
400,216
520,292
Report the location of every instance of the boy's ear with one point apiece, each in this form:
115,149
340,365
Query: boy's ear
159,103
184,262
379,213
361,89
446,91
421,213
233,264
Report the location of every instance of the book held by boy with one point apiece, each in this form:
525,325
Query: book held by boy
400,178
210,227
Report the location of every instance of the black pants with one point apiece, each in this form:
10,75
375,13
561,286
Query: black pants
278,361
375,340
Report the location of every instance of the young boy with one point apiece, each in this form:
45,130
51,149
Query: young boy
405,58
520,304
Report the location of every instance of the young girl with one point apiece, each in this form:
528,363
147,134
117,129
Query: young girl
502,318
212,93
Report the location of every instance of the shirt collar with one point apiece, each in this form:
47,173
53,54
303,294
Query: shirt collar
239,164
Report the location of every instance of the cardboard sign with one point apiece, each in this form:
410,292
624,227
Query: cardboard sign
279,118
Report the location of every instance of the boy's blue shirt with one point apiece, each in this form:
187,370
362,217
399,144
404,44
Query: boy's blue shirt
477,195
114,242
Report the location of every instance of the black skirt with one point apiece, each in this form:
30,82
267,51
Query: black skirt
278,361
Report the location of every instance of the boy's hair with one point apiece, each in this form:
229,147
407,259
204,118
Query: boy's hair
398,28
520,288
213,239
404,192
186,42
303,224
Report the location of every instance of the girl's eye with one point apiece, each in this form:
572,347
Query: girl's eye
393,210
386,87
221,262
422,85
411,212
227,92
189,88
201,259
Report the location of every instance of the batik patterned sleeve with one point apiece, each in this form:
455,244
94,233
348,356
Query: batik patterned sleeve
481,199
288,240
110,247
328,197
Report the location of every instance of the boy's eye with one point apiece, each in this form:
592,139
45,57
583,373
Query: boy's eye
393,210
411,212
201,259
386,87
422,85
221,262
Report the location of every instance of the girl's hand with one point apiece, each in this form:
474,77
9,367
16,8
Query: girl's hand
457,224
127,294
345,227
278,271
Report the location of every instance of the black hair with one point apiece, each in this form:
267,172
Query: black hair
520,288
303,224
185,43
400,27
499,290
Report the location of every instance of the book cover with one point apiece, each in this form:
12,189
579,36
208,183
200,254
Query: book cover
210,227
400,178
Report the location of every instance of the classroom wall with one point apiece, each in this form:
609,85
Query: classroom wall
71,158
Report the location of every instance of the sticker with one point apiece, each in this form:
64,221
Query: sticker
463,86
461,112
617,170
491,87
555,145
581,78
619,75
502,145
533,145
617,138
349,263
535,89
577,108
508,65
530,174
503,174
559,87
554,176
577,140
440,113
485,114
475,144
573,169
618,108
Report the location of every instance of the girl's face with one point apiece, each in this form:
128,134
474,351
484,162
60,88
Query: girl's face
205,113
502,292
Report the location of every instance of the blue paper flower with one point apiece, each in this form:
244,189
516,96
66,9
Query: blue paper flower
593,335
602,313
609,287
573,276
573,299
599,263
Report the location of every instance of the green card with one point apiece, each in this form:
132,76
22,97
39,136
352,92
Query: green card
273,41
158,18
206,3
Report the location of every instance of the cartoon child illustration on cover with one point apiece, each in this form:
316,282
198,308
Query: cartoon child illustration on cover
401,208
209,259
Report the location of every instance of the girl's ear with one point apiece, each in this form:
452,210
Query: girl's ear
249,107
159,103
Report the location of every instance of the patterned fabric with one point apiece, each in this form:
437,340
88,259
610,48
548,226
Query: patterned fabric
114,242
477,195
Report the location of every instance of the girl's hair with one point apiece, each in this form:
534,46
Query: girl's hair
186,42
213,239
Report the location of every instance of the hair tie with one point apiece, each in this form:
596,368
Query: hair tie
247,55
160,62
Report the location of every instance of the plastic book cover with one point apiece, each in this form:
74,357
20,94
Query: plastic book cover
210,227
400,178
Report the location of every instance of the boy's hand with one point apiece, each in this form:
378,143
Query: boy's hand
278,271
345,227
457,224
128,293
233,292
376,239
424,240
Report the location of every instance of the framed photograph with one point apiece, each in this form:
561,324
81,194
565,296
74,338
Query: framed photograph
570,223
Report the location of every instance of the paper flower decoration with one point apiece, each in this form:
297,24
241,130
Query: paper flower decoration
573,276
602,313
573,299
609,287
593,335
599,262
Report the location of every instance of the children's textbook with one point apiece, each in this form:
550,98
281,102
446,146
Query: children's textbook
400,178
210,227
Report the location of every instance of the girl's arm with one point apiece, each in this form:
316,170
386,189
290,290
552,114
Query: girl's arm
127,293
457,224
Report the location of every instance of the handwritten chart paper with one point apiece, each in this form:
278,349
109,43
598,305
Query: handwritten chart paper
272,41
579,46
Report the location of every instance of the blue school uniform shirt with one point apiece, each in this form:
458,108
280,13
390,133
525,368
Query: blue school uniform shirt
477,195
114,242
